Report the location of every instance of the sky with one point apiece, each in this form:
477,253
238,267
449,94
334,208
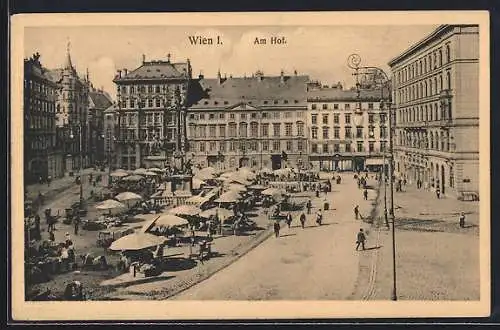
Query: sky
318,51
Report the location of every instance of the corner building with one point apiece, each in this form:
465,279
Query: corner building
152,103
436,92
249,121
347,131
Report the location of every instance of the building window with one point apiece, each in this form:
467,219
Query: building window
222,146
325,148
288,129
212,146
132,103
359,132
212,130
382,118
347,106
265,129
243,129
276,129
264,115
211,116
276,145
300,129
221,116
348,147
314,119
360,146
232,130
313,106
336,147
370,118
288,115
370,106
336,132
325,133
335,106
253,115
265,145
202,146
371,146
383,132
314,148
448,53
348,133
300,145
243,116
347,118
232,146
314,132
202,116
253,145
289,145
336,118
254,129
276,115
325,106
325,119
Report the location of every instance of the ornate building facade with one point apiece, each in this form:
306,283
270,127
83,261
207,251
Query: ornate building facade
152,103
41,155
257,121
72,116
99,101
436,92
347,130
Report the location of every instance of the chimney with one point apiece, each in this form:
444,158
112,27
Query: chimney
120,73
168,57
143,58
282,77
125,71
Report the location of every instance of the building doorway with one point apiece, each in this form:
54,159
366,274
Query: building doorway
244,162
276,162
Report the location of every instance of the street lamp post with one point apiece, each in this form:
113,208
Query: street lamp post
81,161
380,77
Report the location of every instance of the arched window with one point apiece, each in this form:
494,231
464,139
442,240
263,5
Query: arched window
448,80
440,82
448,53
440,57
436,116
420,66
435,86
432,141
425,88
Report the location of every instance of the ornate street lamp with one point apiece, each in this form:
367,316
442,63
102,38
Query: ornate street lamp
380,78
72,136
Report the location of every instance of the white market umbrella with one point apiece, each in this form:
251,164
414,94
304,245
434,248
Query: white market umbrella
140,171
273,191
185,210
119,174
197,183
222,213
170,220
150,173
128,196
109,204
134,177
236,187
155,169
228,197
137,241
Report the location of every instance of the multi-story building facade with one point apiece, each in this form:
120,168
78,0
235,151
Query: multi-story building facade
249,121
110,122
41,156
99,101
347,130
436,92
152,103
72,119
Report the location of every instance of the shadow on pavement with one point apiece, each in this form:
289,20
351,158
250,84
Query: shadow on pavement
374,248
287,235
177,264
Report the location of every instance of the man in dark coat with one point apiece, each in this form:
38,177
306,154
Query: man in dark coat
276,229
302,220
289,219
309,206
360,239
356,212
365,194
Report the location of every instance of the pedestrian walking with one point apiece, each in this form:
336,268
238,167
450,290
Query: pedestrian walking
276,229
289,219
309,206
319,217
356,212
365,194
461,220
438,193
302,220
360,239
76,223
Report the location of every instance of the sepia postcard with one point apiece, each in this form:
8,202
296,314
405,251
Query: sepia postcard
216,166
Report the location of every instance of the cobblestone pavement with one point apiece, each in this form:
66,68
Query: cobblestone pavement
435,258
311,263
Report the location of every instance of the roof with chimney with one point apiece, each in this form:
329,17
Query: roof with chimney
257,90
156,70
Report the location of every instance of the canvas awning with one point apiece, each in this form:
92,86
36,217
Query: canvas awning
375,161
